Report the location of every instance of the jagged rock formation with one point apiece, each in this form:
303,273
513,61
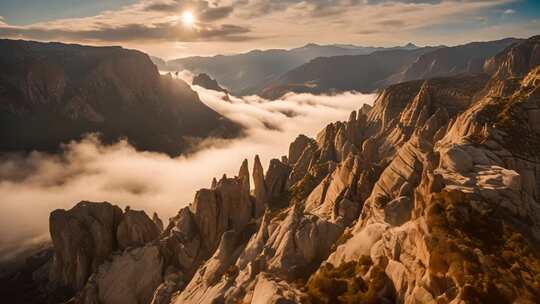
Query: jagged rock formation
53,93
208,82
83,238
86,236
429,196
136,229
129,277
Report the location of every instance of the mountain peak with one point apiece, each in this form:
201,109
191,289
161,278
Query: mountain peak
410,45
311,45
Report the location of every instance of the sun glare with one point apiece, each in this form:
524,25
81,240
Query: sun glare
187,18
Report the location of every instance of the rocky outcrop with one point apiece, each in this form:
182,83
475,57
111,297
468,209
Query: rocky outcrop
275,181
136,229
418,196
447,206
297,147
207,82
222,209
261,195
130,277
83,238
158,222
86,236
430,196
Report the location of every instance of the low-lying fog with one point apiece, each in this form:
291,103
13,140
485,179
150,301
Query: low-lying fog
33,186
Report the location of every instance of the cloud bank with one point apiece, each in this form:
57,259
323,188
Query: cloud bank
32,186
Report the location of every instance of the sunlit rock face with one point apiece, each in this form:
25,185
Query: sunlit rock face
54,93
83,238
430,196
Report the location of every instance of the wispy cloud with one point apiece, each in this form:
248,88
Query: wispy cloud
231,25
145,21
32,186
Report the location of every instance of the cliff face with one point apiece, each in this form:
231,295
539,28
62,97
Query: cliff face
53,93
430,196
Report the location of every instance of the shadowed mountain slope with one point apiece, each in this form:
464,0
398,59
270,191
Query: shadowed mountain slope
52,93
366,73
248,73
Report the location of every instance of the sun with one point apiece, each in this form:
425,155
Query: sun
187,18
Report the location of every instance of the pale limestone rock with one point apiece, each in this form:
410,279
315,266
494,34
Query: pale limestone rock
326,198
208,219
301,166
83,238
172,281
221,209
269,291
130,277
182,242
158,222
358,245
135,229
261,194
297,147
456,159
276,178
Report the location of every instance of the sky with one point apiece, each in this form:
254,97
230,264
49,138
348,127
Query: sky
159,27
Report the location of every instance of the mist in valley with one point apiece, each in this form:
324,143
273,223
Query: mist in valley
32,186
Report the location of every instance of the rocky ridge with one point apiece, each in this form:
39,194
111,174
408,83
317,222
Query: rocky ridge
208,82
429,196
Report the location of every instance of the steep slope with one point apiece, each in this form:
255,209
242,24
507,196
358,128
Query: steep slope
52,93
377,70
430,196
467,58
248,73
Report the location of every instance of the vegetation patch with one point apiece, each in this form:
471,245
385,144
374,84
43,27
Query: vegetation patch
506,114
345,283
484,252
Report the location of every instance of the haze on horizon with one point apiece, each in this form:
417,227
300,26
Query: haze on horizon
159,27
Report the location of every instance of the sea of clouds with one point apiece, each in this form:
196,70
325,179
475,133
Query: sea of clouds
31,186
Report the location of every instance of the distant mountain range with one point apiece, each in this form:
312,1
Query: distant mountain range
52,93
431,195
250,72
340,73
333,68
366,73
